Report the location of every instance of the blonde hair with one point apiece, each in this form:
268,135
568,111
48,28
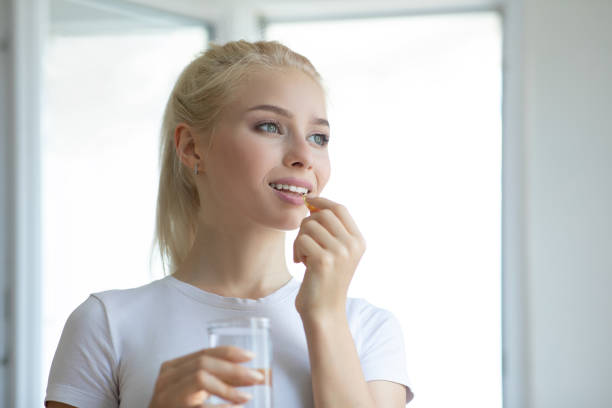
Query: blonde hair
202,91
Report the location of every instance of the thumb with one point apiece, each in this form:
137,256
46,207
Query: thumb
295,253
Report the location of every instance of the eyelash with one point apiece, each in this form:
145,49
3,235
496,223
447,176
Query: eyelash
323,136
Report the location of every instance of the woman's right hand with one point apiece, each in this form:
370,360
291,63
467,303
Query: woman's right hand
186,382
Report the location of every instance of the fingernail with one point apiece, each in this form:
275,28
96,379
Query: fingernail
256,375
249,354
244,395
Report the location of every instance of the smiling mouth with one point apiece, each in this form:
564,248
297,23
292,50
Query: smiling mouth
286,188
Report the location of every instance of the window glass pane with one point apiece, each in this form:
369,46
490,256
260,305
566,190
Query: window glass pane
415,113
107,78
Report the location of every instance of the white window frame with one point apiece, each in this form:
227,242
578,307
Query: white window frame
21,101
23,26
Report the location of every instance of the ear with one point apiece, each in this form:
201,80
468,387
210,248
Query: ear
187,144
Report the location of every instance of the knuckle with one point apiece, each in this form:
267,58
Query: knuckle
325,260
160,383
345,252
308,224
201,378
355,247
310,218
326,212
339,207
226,391
242,375
305,225
246,375
202,362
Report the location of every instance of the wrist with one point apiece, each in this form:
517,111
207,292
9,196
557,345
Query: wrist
323,319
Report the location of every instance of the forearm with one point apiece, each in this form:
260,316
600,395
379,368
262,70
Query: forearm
337,376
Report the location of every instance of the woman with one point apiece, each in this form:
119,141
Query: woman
244,136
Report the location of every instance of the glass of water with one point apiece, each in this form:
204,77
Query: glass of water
252,334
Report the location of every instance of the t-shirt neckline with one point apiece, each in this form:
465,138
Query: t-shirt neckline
200,295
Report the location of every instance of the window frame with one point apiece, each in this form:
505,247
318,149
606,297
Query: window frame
514,357
22,47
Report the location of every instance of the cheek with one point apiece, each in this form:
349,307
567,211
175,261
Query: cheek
323,173
245,161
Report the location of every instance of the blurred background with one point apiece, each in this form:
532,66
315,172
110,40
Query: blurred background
471,141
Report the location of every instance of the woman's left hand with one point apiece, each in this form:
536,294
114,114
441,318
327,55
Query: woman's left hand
330,245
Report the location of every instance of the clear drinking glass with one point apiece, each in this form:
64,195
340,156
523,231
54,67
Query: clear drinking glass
252,334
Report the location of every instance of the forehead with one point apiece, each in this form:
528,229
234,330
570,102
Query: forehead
290,89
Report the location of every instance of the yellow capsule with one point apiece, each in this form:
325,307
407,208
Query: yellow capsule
312,208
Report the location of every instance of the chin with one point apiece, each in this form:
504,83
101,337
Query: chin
290,222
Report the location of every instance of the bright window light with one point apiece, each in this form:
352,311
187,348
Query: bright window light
105,91
415,113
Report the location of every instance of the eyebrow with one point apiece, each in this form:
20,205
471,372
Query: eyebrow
286,113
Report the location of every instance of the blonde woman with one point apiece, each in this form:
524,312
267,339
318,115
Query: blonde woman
244,135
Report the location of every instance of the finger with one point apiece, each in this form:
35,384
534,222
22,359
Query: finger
172,371
340,211
331,222
202,380
345,244
307,247
296,253
231,373
230,353
320,234
221,406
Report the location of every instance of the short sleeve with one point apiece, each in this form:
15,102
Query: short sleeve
382,354
83,372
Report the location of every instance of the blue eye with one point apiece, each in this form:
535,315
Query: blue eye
269,127
320,139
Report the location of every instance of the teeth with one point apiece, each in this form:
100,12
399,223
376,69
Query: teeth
295,189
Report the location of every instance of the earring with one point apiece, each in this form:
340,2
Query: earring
195,169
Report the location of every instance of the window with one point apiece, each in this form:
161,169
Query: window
109,69
415,114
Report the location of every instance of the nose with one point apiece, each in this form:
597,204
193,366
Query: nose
298,153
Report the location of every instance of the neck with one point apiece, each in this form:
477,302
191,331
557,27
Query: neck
241,262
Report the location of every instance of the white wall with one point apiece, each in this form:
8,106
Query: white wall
568,140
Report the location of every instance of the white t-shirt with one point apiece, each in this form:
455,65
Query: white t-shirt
114,343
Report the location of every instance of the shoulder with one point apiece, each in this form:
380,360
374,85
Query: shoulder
144,293
102,311
96,307
363,312
368,322
128,302
88,317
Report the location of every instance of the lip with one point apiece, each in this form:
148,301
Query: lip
294,182
289,198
